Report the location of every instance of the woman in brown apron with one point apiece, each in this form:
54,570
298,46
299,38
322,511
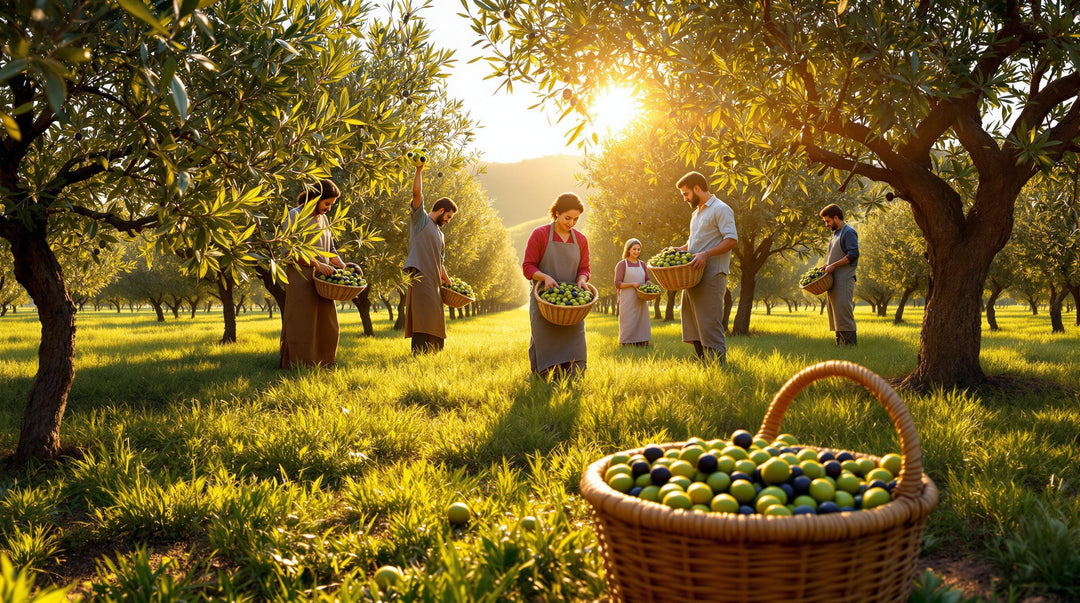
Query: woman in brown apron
557,253
630,273
309,325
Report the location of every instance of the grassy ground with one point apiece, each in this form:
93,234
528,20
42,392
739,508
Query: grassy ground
205,472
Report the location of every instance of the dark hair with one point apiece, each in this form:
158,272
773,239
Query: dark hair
444,203
832,210
564,203
692,179
323,189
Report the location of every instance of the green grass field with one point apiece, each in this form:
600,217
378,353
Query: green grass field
206,472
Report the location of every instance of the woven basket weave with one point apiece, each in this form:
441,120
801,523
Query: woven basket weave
335,291
453,298
647,296
819,286
564,315
657,554
674,278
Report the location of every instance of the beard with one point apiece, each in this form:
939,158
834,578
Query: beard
442,220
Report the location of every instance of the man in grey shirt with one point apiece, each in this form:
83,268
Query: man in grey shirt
712,237
425,322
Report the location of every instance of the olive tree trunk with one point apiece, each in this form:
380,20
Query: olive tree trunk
225,287
39,272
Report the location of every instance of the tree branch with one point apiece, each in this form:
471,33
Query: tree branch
1010,38
67,175
1041,104
817,154
22,91
1064,133
982,147
114,220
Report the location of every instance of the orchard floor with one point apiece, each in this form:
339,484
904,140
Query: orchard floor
242,482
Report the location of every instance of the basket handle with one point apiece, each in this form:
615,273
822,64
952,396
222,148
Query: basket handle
910,484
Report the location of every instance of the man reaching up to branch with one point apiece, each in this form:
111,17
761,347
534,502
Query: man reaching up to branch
425,322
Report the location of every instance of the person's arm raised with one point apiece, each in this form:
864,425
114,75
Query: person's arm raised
418,189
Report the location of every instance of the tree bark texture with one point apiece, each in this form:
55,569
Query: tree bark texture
899,317
157,303
363,306
277,290
399,324
225,287
991,312
39,272
1057,297
727,310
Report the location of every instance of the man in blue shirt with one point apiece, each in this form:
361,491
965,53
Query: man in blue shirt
841,258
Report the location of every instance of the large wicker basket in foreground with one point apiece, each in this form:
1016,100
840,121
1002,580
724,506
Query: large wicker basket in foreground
335,291
655,553
821,285
564,315
674,278
453,298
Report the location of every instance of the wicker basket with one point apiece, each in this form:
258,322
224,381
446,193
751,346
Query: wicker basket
453,298
655,553
564,315
335,291
819,286
647,296
674,278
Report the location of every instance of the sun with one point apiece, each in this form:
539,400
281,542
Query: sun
614,108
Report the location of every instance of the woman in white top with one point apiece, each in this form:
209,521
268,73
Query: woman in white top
630,273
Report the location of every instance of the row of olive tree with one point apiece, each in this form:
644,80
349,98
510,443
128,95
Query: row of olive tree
953,105
192,123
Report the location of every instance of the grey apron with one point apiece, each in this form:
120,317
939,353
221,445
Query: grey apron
634,326
423,301
552,345
840,300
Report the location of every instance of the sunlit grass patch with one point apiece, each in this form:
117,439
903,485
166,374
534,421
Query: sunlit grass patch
301,483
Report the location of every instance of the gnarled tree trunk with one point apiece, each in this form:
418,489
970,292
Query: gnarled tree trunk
751,259
157,303
991,312
225,286
669,314
363,306
39,272
903,304
399,324
1057,297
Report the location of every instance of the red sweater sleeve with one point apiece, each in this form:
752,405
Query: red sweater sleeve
583,263
534,250
620,274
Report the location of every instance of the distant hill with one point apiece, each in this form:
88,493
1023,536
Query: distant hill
523,191
519,234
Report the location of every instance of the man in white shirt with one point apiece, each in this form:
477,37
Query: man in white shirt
712,237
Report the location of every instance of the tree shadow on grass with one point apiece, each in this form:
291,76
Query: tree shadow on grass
541,416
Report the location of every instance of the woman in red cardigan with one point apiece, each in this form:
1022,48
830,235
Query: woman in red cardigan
557,253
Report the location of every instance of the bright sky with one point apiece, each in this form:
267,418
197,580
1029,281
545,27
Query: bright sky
509,131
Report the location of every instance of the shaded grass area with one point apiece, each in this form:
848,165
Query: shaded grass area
298,484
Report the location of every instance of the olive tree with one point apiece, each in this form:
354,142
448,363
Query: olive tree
891,254
177,118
